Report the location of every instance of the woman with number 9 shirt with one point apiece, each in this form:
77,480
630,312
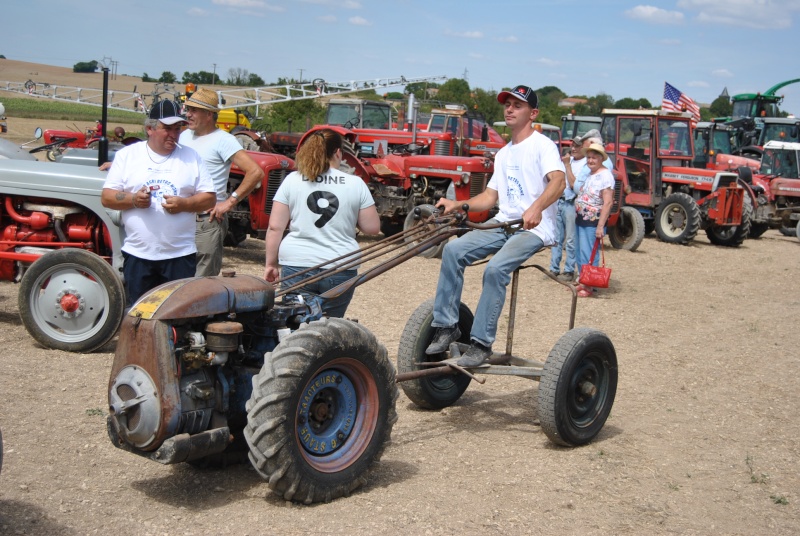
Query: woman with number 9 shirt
322,207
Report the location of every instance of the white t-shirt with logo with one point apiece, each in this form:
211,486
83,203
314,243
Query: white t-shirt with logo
324,213
151,233
520,177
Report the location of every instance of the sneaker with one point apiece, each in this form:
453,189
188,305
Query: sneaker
553,273
442,339
476,355
567,276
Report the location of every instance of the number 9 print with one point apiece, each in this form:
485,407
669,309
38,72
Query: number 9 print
325,204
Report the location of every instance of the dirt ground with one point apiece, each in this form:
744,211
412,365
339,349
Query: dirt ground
702,439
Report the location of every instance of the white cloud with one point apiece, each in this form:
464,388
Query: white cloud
467,35
328,19
197,12
347,4
759,14
722,72
359,21
476,56
549,62
655,15
508,39
239,3
697,83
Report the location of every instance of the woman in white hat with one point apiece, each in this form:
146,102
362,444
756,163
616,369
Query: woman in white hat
593,205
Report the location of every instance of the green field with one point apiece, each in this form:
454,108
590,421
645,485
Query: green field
49,109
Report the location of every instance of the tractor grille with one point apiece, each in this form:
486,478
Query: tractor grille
442,148
276,177
477,183
615,207
126,393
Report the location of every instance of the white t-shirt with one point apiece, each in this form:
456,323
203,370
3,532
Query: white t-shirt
324,214
520,178
217,150
152,233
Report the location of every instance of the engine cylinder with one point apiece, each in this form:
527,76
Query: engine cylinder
223,336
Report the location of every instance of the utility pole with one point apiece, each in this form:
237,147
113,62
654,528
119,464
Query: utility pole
301,75
214,75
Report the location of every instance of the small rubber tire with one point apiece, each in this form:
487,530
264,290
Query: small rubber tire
430,392
628,232
577,387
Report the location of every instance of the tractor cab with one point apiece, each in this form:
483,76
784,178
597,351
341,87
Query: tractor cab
781,160
359,113
711,139
642,144
474,137
573,126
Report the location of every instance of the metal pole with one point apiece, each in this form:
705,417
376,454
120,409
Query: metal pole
102,155
214,75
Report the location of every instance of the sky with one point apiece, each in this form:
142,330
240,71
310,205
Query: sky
620,48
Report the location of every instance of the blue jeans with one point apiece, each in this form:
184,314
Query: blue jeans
142,275
586,237
334,307
510,251
565,237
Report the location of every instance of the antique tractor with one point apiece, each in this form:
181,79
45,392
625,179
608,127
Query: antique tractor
775,189
209,370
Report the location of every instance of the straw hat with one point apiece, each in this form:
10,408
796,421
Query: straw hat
205,99
596,147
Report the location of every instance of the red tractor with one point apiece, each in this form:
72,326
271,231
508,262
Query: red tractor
776,189
653,152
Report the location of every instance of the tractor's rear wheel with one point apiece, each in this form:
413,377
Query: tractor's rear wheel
71,300
732,235
430,392
678,219
322,411
628,233
577,387
414,220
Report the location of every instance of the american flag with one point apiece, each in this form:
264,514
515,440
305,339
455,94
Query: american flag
675,101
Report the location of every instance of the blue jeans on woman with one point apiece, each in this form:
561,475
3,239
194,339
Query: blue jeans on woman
334,307
510,251
585,235
565,237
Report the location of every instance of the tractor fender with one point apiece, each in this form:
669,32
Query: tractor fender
347,134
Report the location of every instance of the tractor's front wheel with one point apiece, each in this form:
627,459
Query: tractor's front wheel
322,411
71,300
628,233
732,235
678,219
577,387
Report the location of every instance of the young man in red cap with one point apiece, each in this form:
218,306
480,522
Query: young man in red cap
528,179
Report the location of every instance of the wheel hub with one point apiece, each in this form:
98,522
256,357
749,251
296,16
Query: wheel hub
327,412
69,303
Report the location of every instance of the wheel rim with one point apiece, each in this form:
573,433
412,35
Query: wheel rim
674,219
69,303
588,390
337,414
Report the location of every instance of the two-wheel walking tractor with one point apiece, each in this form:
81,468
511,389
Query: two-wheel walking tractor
211,370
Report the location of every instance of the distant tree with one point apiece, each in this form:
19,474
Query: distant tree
486,103
168,78
254,80
632,104
146,78
85,67
455,90
393,95
550,94
303,113
420,89
2,57
200,78
237,76
721,107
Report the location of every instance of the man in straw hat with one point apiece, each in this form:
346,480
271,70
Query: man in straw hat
218,150
158,186
528,179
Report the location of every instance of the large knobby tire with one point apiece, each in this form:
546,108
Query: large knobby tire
732,236
430,392
577,388
71,300
414,220
677,219
628,233
322,411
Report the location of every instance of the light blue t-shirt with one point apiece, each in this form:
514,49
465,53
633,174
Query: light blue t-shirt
217,150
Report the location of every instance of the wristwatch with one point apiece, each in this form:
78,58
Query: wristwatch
235,196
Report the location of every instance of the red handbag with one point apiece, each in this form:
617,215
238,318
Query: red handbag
596,276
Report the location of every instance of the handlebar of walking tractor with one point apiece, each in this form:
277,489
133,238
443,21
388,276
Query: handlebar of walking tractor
431,231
